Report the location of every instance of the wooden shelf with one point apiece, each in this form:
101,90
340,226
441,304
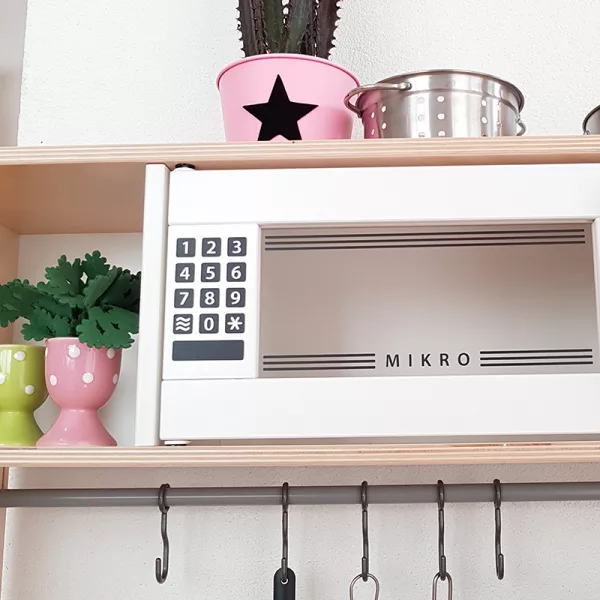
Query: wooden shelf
99,189
306,455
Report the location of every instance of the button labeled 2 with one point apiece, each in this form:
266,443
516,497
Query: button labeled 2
211,247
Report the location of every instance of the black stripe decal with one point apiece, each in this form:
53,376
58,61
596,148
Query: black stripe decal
529,357
435,233
318,368
424,245
537,364
366,354
560,350
416,239
318,362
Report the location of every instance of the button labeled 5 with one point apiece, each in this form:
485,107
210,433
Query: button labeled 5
210,272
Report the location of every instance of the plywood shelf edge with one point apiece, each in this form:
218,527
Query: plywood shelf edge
334,153
305,455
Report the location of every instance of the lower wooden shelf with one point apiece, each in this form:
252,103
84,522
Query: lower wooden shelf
368,455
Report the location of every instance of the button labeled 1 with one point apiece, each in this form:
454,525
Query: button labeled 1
186,247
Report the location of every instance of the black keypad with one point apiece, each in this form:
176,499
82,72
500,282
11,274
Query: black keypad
236,246
186,247
211,247
235,297
236,271
185,272
183,324
235,323
210,272
184,298
210,297
209,323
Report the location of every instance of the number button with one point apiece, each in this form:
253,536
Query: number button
235,323
235,297
209,323
183,323
186,247
236,271
211,247
210,272
209,297
185,272
184,298
236,246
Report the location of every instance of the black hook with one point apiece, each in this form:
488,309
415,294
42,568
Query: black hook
442,557
365,530
162,566
498,534
284,530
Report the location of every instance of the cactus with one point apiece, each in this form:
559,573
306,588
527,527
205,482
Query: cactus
298,26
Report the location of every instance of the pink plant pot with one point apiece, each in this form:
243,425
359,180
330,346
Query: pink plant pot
80,380
285,96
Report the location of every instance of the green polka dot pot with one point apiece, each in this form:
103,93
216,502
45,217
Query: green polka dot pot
22,391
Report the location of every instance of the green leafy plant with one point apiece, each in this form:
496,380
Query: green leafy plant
88,299
299,26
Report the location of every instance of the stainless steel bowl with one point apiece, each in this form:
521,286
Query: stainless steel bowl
443,103
591,123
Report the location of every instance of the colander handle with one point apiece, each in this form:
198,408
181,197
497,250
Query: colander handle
388,87
522,127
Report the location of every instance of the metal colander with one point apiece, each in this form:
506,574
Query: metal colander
439,104
591,123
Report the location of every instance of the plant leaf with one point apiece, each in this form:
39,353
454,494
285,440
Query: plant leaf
17,299
64,279
251,26
273,24
20,299
124,292
298,18
98,285
110,327
327,18
44,325
95,264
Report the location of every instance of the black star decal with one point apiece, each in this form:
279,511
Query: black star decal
279,116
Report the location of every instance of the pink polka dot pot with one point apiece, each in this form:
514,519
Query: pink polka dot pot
80,380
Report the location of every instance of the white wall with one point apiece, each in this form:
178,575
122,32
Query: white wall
138,71
12,39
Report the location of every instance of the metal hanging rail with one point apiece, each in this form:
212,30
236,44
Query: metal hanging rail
302,495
